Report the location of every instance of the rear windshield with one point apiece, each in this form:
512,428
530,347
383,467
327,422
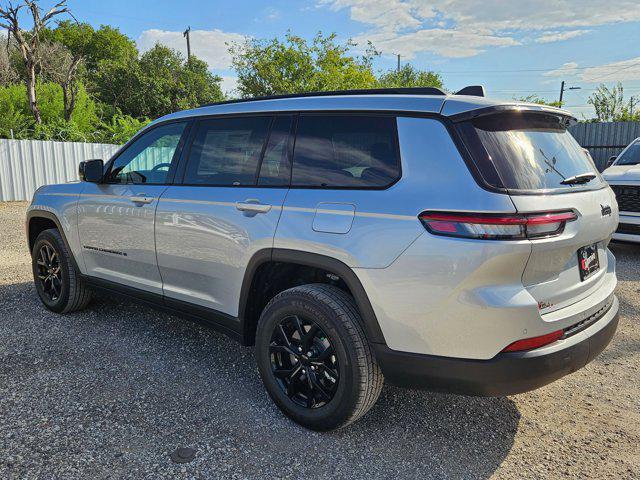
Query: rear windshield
527,152
631,155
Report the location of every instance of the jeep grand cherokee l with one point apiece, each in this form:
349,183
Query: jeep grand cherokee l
447,242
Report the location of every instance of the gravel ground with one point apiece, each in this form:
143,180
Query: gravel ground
110,392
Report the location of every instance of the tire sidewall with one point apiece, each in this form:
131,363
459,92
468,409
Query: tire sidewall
49,238
342,404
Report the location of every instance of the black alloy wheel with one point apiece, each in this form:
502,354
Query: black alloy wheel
314,358
49,272
303,362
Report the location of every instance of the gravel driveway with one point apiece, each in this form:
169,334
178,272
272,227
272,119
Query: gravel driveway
110,392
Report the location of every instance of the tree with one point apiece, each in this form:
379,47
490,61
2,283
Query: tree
94,46
610,105
28,43
272,67
61,66
408,76
536,99
160,82
74,51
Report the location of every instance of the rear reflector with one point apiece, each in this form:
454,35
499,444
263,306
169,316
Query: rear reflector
496,227
534,342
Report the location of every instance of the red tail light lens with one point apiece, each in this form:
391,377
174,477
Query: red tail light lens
497,227
534,342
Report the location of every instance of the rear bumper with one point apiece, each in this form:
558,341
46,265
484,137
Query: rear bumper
506,373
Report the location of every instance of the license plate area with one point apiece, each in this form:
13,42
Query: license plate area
588,261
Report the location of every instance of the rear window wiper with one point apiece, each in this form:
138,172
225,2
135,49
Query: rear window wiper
579,179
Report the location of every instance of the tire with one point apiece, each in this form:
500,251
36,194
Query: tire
359,378
71,293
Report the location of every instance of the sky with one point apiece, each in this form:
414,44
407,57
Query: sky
514,48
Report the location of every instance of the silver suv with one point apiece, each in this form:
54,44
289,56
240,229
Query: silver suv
624,177
447,242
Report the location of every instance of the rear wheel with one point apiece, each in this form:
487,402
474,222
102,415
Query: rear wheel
314,359
59,286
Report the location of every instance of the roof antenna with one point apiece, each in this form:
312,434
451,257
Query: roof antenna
472,90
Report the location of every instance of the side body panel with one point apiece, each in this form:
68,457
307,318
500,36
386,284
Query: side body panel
205,240
117,234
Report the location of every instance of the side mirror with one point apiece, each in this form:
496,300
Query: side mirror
612,159
91,171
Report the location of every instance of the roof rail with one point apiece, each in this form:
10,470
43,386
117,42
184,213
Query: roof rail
371,91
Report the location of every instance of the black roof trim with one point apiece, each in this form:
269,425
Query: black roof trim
371,91
472,90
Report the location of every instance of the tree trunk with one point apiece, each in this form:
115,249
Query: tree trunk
31,92
65,101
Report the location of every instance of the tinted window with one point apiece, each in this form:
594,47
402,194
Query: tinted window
276,164
527,152
226,151
631,156
149,158
345,151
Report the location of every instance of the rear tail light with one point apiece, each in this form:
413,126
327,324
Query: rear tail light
534,342
497,227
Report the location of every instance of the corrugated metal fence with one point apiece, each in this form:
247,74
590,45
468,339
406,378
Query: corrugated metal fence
27,164
605,139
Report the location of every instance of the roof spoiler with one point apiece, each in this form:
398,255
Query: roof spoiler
472,90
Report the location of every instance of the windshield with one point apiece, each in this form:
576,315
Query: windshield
528,151
631,156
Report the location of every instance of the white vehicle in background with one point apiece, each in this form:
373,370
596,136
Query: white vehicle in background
623,175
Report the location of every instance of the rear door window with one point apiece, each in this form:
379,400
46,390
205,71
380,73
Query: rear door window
226,151
275,169
345,151
527,152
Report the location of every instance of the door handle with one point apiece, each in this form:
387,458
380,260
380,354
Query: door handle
253,206
141,198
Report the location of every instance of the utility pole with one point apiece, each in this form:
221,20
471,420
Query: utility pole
186,35
398,64
563,88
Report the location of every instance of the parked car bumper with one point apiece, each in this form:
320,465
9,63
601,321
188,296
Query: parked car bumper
628,228
506,373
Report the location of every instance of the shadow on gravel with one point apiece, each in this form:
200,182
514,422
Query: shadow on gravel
116,388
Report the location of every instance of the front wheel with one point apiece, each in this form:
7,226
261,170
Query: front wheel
59,286
314,358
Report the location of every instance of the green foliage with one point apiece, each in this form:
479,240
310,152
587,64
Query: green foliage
160,82
409,77
272,67
94,46
536,99
119,129
610,105
14,112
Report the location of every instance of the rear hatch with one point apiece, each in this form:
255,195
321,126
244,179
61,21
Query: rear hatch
531,156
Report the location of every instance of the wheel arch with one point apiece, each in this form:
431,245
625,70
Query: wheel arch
40,220
250,304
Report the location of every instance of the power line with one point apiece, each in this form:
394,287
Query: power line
559,70
619,70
